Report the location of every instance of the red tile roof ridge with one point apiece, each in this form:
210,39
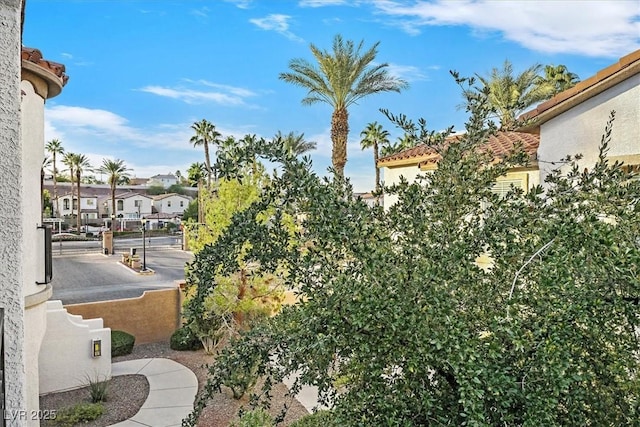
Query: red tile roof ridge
35,56
500,144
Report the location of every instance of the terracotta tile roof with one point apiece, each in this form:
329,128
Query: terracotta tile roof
626,67
35,56
499,144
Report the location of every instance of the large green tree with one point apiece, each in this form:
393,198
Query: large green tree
340,78
398,325
54,147
372,137
205,134
116,172
510,93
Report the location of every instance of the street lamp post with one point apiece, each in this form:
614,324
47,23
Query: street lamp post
144,245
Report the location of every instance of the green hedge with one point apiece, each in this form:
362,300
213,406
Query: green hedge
317,419
121,343
184,339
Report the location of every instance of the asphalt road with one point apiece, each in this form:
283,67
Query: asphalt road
88,277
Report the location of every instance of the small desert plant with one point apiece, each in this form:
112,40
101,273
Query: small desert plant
255,418
121,343
98,388
79,414
184,339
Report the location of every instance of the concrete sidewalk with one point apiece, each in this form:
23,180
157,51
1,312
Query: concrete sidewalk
172,390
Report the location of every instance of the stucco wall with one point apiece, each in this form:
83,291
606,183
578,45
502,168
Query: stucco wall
11,216
411,173
153,317
580,129
65,360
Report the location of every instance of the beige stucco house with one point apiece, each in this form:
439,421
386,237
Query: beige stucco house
570,123
421,159
574,121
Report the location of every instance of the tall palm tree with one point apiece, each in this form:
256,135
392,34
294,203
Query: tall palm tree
558,78
116,172
206,134
68,161
80,164
195,173
46,162
54,147
295,144
372,136
511,94
341,78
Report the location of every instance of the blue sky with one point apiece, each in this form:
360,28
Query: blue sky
141,72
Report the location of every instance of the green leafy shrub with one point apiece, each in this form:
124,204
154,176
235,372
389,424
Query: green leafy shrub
254,418
79,414
317,419
121,343
183,339
396,302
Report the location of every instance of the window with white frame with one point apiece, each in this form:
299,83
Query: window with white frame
137,203
65,204
182,203
120,205
168,203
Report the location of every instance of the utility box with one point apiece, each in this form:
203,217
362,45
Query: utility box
107,242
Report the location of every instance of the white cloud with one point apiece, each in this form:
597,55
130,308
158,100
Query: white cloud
407,72
224,95
322,3
78,125
592,28
203,12
241,4
278,23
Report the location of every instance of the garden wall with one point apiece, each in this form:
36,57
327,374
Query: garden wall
153,317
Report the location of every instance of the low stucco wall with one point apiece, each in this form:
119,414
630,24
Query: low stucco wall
153,317
65,361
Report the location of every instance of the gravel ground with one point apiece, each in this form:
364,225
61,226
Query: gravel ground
128,393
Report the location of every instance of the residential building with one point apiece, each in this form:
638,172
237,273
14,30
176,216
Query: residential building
68,205
130,205
573,121
171,203
165,181
419,160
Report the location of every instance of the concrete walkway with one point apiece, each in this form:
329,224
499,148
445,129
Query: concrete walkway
172,390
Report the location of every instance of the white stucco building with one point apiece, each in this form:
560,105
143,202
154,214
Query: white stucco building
129,205
165,181
573,122
67,205
171,203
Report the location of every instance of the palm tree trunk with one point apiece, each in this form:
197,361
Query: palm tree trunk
79,219
339,135
113,207
208,161
55,186
73,187
375,164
